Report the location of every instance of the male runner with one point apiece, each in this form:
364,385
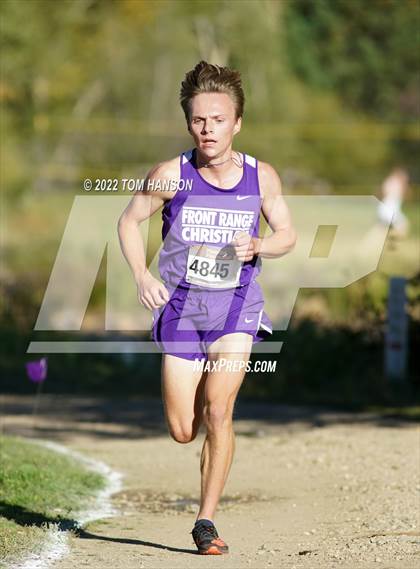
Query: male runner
209,305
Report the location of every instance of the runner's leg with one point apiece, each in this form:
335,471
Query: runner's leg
220,391
183,397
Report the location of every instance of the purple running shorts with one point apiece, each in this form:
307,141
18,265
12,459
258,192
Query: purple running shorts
195,317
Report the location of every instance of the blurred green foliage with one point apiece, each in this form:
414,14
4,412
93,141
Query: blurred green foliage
366,53
90,89
332,354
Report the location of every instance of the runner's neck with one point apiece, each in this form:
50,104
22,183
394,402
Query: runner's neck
220,170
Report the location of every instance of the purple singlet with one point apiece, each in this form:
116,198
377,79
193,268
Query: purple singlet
212,293
209,215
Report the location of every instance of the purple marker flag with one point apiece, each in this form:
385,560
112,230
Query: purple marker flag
37,370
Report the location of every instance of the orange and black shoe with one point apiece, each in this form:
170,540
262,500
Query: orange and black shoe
207,539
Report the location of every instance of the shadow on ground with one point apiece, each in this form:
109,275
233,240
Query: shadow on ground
59,417
26,517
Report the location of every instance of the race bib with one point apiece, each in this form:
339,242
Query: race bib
214,267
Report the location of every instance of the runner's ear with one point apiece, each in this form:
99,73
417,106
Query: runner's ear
237,126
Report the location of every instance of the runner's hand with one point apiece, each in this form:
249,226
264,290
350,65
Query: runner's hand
151,292
245,246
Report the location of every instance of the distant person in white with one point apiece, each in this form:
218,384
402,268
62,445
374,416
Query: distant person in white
394,189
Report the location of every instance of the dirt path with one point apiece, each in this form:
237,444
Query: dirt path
308,489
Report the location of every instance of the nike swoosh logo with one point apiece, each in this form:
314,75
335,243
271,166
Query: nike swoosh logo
248,321
243,197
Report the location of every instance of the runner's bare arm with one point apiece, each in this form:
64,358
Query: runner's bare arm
151,292
277,214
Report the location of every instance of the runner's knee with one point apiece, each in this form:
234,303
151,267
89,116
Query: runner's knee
217,415
182,434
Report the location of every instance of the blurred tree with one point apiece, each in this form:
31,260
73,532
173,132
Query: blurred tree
367,52
90,88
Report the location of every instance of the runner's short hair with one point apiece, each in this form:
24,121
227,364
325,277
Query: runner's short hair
209,78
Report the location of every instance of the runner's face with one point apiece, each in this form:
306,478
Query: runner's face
213,123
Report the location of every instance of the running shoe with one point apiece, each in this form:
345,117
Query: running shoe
207,539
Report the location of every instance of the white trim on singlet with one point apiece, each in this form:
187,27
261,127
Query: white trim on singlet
250,160
186,156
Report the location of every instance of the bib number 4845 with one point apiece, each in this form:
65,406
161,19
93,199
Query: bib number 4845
205,268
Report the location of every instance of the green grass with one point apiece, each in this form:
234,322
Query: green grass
410,413
37,487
